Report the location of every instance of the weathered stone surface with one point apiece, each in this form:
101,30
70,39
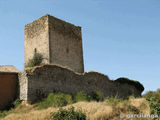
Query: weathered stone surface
23,86
54,78
58,41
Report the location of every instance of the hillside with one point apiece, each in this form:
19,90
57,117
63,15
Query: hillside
94,110
91,107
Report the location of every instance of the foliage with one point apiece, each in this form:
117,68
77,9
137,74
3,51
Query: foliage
130,82
7,110
3,113
153,99
69,114
55,100
113,101
35,61
97,96
81,96
16,103
151,94
61,99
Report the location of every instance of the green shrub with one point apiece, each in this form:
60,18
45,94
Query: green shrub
97,96
69,114
153,99
81,96
3,113
131,97
55,100
17,102
152,94
13,104
113,101
35,61
154,106
158,91
9,108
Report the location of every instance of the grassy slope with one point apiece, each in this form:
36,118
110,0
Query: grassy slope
109,109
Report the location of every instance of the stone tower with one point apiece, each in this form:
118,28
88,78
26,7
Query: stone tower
58,41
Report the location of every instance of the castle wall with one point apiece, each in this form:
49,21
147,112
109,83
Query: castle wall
37,39
53,78
65,44
58,41
8,88
23,86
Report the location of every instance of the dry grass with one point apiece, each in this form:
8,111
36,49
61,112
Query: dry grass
141,104
93,110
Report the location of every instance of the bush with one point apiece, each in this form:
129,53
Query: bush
9,108
97,96
152,94
16,103
113,101
55,100
35,61
81,96
153,99
13,104
60,99
3,114
69,114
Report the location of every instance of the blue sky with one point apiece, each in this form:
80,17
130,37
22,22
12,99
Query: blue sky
121,38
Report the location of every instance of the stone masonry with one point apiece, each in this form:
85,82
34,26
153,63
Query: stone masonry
62,70
55,78
58,41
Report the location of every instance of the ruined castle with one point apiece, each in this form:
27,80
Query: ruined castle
58,41
62,68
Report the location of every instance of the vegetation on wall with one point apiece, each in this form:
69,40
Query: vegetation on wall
35,61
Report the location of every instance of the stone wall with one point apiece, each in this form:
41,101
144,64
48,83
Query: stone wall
37,39
53,78
23,86
58,41
8,88
65,44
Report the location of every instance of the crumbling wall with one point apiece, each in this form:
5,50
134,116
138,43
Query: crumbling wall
53,78
8,88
